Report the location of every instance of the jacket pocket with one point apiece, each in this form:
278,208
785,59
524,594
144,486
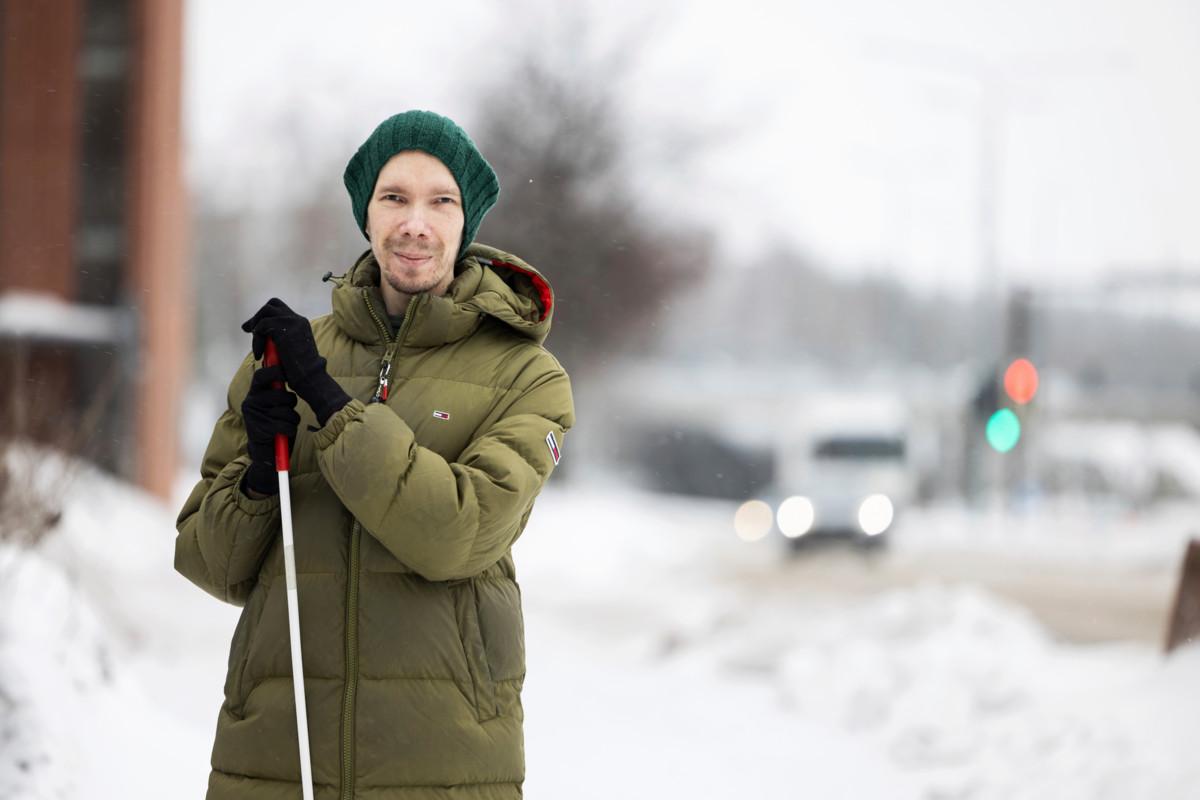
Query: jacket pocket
239,649
483,686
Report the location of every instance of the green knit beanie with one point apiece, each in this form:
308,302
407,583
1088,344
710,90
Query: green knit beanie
442,139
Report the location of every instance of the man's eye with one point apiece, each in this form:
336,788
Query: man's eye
395,198
446,200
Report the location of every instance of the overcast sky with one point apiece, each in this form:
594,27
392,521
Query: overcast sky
857,124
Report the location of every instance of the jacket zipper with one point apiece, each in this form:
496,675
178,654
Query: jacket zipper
383,385
351,690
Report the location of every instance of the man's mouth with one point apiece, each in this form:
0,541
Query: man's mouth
415,258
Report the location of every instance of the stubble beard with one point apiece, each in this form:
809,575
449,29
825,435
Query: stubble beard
410,288
418,285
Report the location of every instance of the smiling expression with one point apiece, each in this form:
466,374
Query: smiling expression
415,224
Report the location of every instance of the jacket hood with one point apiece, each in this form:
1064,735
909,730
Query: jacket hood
487,283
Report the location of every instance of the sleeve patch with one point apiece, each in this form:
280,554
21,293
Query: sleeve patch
552,443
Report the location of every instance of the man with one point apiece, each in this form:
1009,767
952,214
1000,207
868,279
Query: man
429,417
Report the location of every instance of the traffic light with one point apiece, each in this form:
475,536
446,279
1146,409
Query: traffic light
1021,381
1004,426
1003,430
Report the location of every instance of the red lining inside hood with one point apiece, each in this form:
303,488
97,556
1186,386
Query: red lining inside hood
539,283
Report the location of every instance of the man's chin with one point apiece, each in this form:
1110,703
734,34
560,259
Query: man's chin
411,287
411,290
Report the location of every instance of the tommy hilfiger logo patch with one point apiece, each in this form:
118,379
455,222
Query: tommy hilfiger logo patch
552,443
441,415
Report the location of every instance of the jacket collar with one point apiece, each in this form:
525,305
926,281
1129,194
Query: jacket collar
487,282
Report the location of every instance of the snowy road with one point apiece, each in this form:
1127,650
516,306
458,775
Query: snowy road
1098,603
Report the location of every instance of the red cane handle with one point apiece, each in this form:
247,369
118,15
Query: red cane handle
282,459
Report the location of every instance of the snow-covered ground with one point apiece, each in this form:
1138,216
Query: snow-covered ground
656,669
932,691
107,657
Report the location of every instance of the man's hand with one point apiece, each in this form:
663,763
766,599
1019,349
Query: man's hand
267,411
303,367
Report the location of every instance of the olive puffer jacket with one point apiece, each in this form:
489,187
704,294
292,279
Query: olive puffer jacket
404,511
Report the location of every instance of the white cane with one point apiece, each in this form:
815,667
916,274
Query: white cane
282,459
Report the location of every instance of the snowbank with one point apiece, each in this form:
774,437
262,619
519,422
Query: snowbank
968,694
934,691
107,657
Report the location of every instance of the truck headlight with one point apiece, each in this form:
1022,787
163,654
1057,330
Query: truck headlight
875,514
752,521
795,516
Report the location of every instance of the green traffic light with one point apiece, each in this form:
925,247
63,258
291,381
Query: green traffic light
1003,430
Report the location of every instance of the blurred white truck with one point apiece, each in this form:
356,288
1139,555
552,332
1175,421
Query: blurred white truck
843,469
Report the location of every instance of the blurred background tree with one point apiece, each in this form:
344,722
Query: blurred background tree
573,203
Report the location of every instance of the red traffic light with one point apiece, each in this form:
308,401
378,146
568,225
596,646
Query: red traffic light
1021,381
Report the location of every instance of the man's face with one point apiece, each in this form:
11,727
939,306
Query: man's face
415,223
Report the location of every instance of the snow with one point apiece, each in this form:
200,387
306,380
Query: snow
106,655
666,659
1129,457
40,315
967,693
1074,532
930,691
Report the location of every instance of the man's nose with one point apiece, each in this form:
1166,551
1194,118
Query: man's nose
414,222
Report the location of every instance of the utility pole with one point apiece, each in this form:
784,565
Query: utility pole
1019,344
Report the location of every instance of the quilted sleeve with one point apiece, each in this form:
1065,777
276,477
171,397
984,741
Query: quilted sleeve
447,520
223,535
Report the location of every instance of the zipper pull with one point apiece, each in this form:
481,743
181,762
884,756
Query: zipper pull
381,391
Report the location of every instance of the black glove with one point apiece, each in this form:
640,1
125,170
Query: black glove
303,366
267,411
